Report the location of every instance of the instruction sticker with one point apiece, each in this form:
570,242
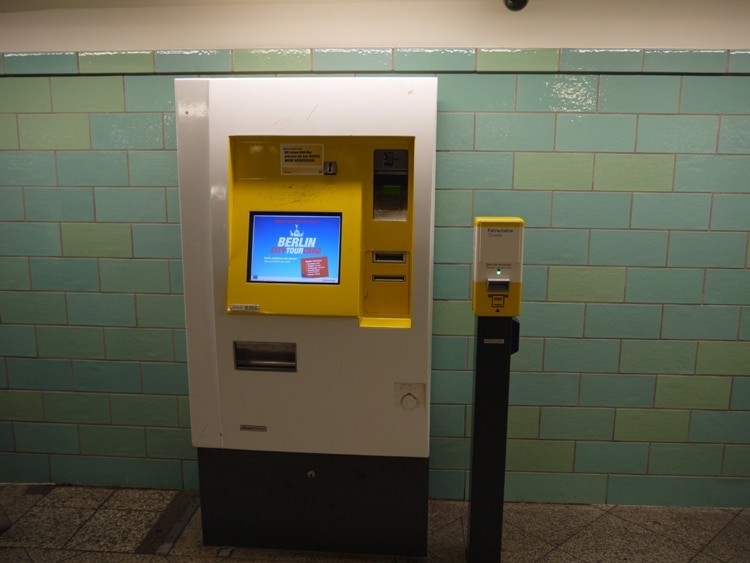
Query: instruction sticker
302,159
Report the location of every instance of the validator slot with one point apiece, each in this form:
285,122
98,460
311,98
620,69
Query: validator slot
389,257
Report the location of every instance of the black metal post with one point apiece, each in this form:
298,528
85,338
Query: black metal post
496,340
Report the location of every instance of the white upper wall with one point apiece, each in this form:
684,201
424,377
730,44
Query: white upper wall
184,24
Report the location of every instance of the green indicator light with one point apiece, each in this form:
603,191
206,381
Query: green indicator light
391,189
499,271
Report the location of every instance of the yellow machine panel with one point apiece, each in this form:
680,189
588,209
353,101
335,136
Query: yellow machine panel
321,226
498,265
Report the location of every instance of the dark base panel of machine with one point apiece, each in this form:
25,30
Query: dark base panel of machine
319,502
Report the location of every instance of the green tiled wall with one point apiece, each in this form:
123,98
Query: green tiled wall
631,168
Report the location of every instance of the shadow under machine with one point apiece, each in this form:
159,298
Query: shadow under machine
306,210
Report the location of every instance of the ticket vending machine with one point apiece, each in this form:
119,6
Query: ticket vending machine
306,208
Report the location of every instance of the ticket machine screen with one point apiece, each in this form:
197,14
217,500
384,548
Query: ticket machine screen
294,248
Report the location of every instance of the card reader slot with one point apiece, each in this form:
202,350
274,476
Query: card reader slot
265,356
382,256
382,278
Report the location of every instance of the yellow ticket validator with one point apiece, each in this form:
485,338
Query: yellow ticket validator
498,265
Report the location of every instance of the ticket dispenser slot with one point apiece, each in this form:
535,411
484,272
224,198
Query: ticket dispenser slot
265,356
498,264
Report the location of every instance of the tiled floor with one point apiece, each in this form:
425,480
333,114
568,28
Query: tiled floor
40,523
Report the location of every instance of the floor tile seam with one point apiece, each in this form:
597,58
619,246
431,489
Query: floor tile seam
80,527
716,535
665,536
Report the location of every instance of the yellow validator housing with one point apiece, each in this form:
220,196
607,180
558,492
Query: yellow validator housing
498,264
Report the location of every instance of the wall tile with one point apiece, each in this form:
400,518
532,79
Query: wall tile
637,173
576,423
671,211
453,317
127,131
90,408
534,283
272,60
571,355
603,284
745,324
453,208
539,455
446,484
553,319
684,61
623,321
153,168
677,134
565,488
736,461
707,94
591,210
113,441
183,411
452,387
450,453
107,376
7,442
14,273
162,311
700,322
95,168
117,471
70,342
165,379
553,171
447,420
642,425
64,274
170,131
441,60
8,132
538,389
149,93
662,285
611,457
56,131
595,133
454,244
559,93
639,94
87,93
476,92
514,60
739,62
123,62
96,239
451,281
142,205
730,212
29,239
601,60
21,405
740,394
173,205
628,248
25,307
695,173
139,344
157,241
473,170
657,356
99,309
515,132
169,443
692,392
46,438
530,356
59,204
41,63
723,358
140,276
455,131
360,60
728,287
11,204
685,459
449,352
25,94
27,168
24,468
533,207
144,410
523,422
17,341
720,427
217,60
706,250
555,246
676,491
606,390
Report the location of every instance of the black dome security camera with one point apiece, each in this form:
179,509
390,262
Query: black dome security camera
516,5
